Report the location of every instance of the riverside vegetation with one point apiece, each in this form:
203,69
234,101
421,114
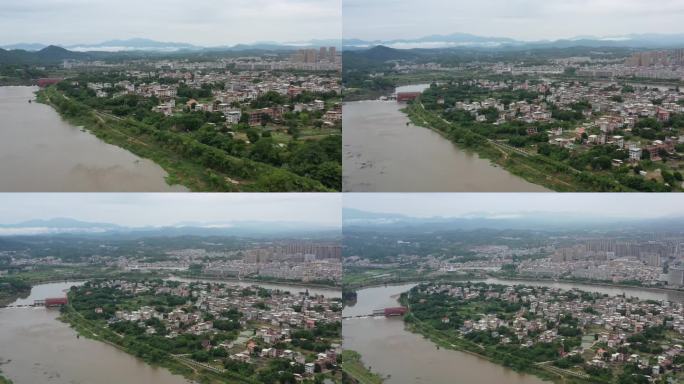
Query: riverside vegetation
197,154
201,335
529,155
568,336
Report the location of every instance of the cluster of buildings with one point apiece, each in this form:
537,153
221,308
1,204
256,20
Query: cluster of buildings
302,261
612,260
297,261
608,113
656,58
312,271
621,270
610,320
321,59
232,98
321,55
296,251
266,322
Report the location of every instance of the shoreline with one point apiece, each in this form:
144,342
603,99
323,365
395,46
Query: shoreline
257,281
416,326
42,97
498,157
462,345
213,170
9,300
175,366
539,373
528,279
596,284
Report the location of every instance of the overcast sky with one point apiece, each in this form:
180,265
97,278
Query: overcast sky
157,209
200,22
520,19
633,205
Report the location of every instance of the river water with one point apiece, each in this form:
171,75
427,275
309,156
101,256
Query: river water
40,152
641,293
293,289
41,349
384,154
408,358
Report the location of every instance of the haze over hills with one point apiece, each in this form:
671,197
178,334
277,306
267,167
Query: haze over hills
61,226
352,218
40,54
141,44
465,40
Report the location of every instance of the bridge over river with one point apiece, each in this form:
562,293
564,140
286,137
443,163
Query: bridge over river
50,302
385,312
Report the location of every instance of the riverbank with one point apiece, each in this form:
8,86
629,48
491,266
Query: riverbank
489,353
12,290
294,283
57,156
384,152
591,283
462,345
147,353
188,162
508,278
531,167
404,357
354,367
62,275
364,94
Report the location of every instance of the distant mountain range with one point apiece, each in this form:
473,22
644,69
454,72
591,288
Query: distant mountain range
139,44
63,226
48,55
353,218
465,40
39,54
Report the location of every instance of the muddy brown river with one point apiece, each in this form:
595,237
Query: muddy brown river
37,348
40,152
408,358
384,154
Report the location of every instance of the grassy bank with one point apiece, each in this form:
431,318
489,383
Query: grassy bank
359,94
359,278
265,280
147,353
188,162
517,363
534,168
19,284
354,368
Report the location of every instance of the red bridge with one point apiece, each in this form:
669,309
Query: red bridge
51,302
390,312
395,311
44,82
407,96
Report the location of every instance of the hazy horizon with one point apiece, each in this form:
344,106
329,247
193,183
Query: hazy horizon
526,20
512,205
204,22
167,209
